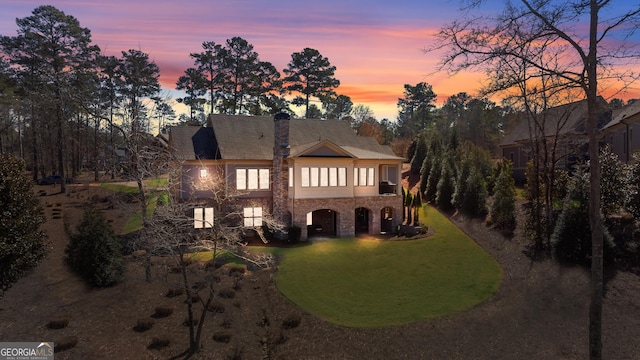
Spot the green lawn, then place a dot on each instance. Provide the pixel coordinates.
(134, 223)
(374, 283)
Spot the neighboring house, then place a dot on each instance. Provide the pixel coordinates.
(315, 174)
(563, 127)
(623, 132)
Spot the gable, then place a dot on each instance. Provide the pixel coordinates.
(319, 149)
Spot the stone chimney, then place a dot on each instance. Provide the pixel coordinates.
(280, 167)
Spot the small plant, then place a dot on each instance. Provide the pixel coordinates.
(175, 292)
(216, 307)
(294, 234)
(222, 336)
(226, 323)
(162, 312)
(65, 343)
(193, 322)
(227, 293)
(143, 325)
(237, 270)
(159, 342)
(58, 323)
(291, 321)
(195, 298)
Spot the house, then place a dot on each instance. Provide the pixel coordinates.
(318, 175)
(623, 132)
(564, 127)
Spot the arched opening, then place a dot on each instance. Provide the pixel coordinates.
(321, 223)
(362, 220)
(386, 222)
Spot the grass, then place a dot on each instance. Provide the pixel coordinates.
(134, 222)
(121, 188)
(375, 283)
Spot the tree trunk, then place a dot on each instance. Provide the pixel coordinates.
(597, 286)
(63, 185)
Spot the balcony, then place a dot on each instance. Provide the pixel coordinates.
(386, 188)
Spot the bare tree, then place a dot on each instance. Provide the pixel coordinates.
(576, 60)
(214, 224)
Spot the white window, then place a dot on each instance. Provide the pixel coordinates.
(253, 216)
(290, 177)
(305, 177)
(264, 179)
(252, 179)
(202, 218)
(342, 176)
(324, 177)
(333, 176)
(364, 176)
(313, 176)
(241, 179)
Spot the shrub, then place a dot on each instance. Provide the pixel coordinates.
(292, 321)
(162, 312)
(222, 336)
(445, 187)
(294, 234)
(175, 292)
(22, 243)
(474, 203)
(65, 343)
(193, 322)
(571, 238)
(159, 342)
(94, 251)
(143, 325)
(433, 179)
(216, 307)
(503, 209)
(58, 323)
(227, 293)
(194, 298)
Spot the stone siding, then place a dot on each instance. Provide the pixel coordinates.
(345, 209)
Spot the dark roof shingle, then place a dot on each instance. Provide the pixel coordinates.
(252, 137)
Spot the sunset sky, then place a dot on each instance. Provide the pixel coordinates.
(376, 45)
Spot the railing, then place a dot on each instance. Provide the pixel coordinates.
(386, 187)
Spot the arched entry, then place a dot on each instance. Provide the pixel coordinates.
(321, 223)
(386, 222)
(362, 220)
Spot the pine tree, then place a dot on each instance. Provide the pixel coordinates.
(94, 251)
(22, 243)
(445, 187)
(503, 209)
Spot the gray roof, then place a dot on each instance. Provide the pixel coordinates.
(236, 137)
(561, 120)
(192, 142)
(622, 114)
